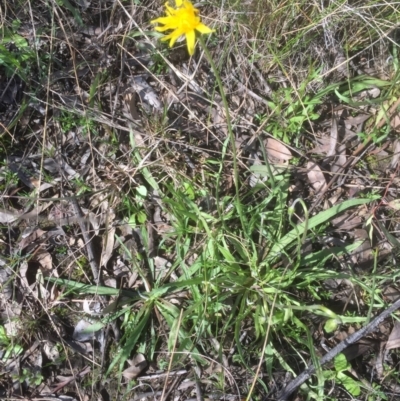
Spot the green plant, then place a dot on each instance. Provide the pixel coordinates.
(81, 186)
(291, 109)
(18, 60)
(8, 179)
(11, 349)
(62, 250)
(228, 281)
(158, 65)
(30, 376)
(240, 272)
(73, 10)
(340, 374)
(132, 206)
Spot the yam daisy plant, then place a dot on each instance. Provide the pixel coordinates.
(184, 20)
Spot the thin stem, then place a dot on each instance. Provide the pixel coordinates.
(229, 126)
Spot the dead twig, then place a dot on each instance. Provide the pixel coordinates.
(69, 380)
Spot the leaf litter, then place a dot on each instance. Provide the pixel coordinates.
(175, 113)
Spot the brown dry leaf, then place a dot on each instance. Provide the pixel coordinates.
(24, 282)
(341, 63)
(162, 266)
(7, 216)
(379, 361)
(394, 204)
(277, 151)
(85, 330)
(357, 120)
(146, 93)
(31, 238)
(130, 100)
(335, 197)
(50, 350)
(138, 364)
(340, 160)
(12, 320)
(278, 156)
(396, 154)
(333, 138)
(323, 146)
(46, 263)
(219, 120)
(110, 282)
(338, 163)
(362, 256)
(395, 122)
(65, 380)
(359, 348)
(316, 177)
(371, 93)
(394, 338)
(391, 294)
(36, 211)
(346, 221)
(108, 246)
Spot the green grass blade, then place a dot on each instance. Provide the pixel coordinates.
(141, 321)
(74, 11)
(320, 218)
(320, 256)
(82, 288)
(171, 315)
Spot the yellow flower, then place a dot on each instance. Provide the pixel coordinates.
(183, 19)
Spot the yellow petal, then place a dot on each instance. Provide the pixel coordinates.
(172, 37)
(169, 9)
(161, 28)
(191, 42)
(204, 28)
(161, 20)
(178, 3)
(189, 6)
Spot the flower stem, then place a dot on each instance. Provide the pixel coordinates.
(229, 126)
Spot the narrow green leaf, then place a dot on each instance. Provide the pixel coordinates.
(73, 11)
(320, 218)
(319, 256)
(132, 338)
(4, 340)
(82, 288)
(171, 315)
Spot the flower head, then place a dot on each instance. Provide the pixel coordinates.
(183, 19)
